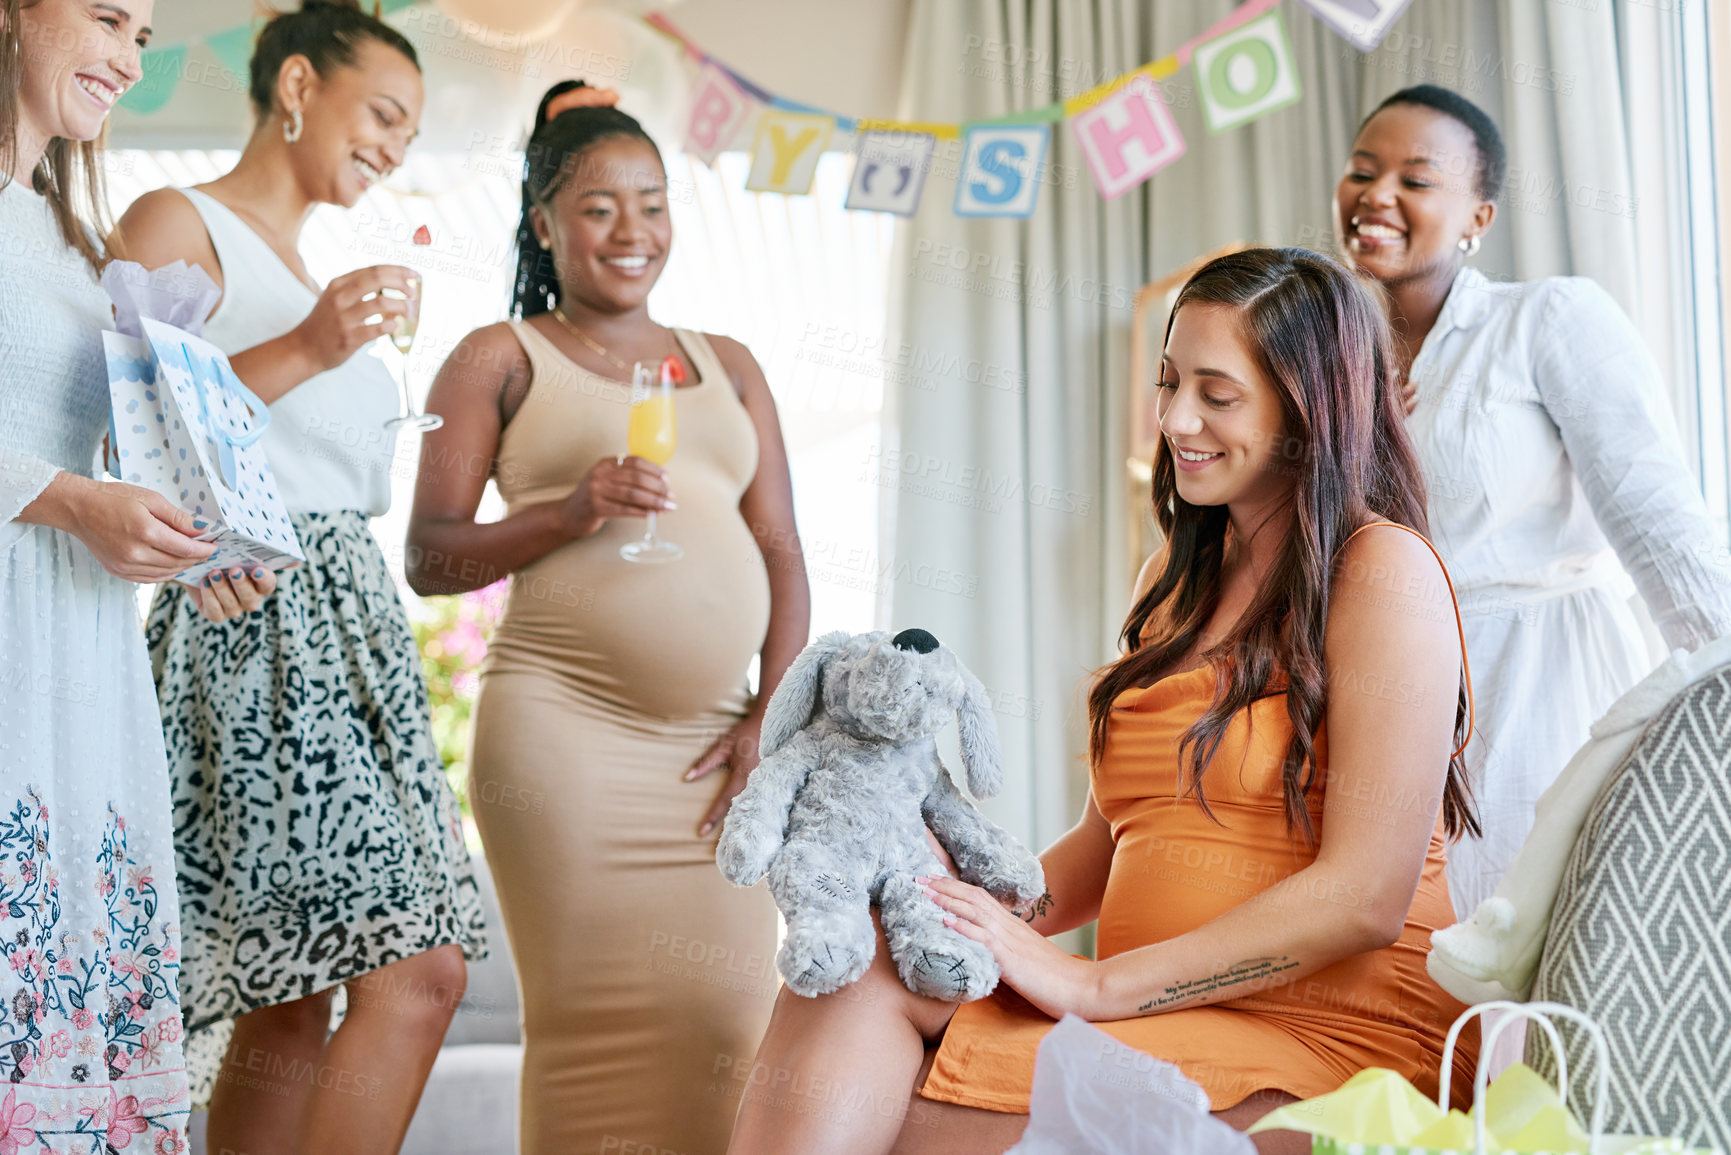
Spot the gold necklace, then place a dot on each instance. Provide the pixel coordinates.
(591, 342)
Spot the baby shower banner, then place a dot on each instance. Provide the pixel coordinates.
(1244, 69)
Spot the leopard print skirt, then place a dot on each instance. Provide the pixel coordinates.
(316, 838)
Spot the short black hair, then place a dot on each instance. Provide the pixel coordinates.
(326, 32)
(1487, 141)
(546, 157)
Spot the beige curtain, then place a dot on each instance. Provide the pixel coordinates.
(1003, 456)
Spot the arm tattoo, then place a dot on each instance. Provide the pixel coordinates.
(1250, 970)
(1040, 907)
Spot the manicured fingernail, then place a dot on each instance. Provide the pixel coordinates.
(258, 571)
(212, 577)
(949, 920)
(922, 879)
(236, 572)
(707, 827)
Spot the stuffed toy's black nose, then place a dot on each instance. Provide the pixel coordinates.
(918, 641)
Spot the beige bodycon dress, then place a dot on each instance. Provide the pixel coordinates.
(647, 979)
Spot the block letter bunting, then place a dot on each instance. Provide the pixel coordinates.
(1001, 170)
(889, 172)
(1128, 137)
(1244, 69)
(1246, 73)
(719, 108)
(1362, 23)
(786, 150)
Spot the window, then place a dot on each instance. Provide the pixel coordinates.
(800, 280)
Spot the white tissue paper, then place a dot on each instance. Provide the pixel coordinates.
(1094, 1095)
(181, 295)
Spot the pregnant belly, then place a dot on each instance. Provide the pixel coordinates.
(1169, 878)
(669, 641)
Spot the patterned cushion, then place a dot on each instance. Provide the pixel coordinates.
(1641, 935)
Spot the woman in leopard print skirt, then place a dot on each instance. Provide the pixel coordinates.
(318, 843)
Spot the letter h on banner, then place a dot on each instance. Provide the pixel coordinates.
(1128, 137)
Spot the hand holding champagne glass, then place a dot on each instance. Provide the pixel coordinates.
(652, 435)
(403, 337)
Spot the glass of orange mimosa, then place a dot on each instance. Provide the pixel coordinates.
(651, 435)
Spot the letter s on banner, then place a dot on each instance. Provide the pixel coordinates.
(999, 165)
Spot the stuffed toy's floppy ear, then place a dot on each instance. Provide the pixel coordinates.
(791, 705)
(981, 757)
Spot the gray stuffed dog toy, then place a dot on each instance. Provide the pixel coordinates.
(836, 814)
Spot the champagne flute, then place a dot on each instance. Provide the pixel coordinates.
(650, 434)
(403, 338)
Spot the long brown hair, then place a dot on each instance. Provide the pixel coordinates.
(69, 176)
(1322, 338)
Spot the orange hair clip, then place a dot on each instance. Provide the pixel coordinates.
(584, 97)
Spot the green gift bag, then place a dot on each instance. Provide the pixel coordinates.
(1377, 1112)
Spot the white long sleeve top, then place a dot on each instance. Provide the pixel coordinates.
(1550, 456)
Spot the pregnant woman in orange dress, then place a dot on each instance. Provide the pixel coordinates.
(1272, 786)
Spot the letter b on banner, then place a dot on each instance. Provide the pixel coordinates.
(718, 109)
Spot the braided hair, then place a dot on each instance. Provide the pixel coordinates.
(546, 170)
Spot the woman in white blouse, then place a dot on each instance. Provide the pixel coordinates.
(1553, 471)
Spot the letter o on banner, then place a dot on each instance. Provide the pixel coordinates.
(1245, 73)
(502, 20)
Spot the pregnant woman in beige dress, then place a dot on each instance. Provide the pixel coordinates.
(611, 687)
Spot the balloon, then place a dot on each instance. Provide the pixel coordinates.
(507, 23)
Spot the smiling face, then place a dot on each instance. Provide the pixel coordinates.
(1220, 414)
(607, 225)
(79, 56)
(1409, 195)
(358, 120)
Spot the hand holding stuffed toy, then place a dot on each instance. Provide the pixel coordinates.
(836, 814)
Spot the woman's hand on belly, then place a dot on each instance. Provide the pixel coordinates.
(737, 751)
(1036, 967)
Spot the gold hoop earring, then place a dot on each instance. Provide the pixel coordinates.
(291, 128)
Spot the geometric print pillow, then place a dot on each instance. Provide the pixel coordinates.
(1640, 938)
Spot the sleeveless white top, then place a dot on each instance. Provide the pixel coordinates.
(327, 443)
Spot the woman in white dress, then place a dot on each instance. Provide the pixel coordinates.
(318, 843)
(1553, 471)
(90, 1053)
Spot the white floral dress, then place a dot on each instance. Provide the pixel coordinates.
(90, 1030)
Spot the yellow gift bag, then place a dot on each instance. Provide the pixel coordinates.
(1377, 1112)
